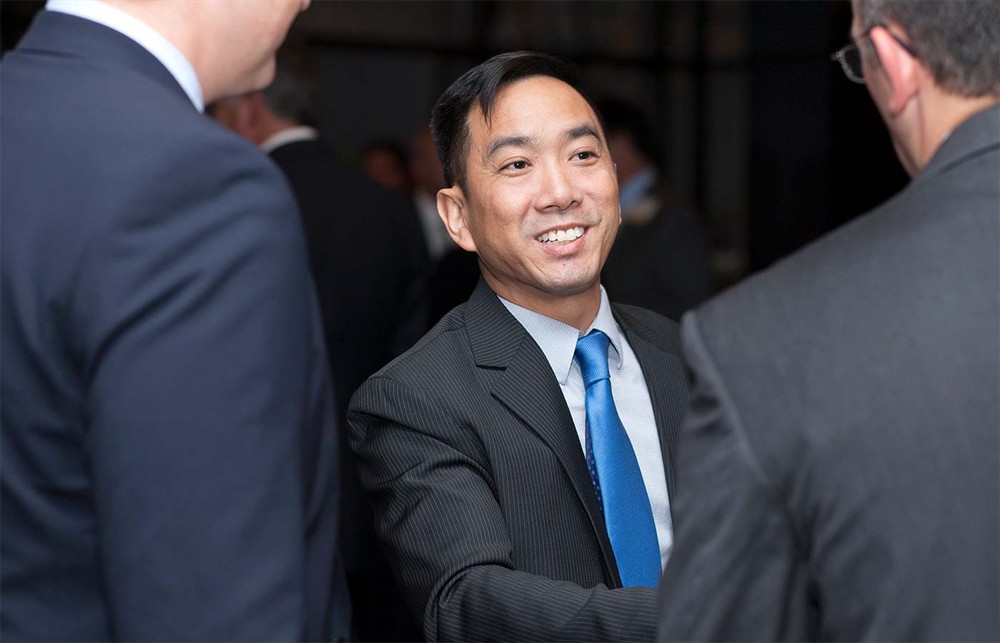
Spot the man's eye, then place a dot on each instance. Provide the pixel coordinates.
(583, 156)
(517, 165)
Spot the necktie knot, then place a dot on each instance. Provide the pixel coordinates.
(592, 356)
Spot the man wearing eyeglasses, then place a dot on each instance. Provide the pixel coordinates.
(837, 473)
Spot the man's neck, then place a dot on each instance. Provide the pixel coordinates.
(943, 114)
(577, 310)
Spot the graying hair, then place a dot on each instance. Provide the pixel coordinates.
(958, 41)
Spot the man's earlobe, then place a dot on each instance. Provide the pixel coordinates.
(453, 210)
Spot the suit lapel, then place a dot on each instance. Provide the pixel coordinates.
(659, 367)
(526, 385)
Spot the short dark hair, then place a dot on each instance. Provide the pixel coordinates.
(449, 118)
(958, 41)
(292, 95)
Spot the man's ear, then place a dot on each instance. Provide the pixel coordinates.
(901, 68)
(454, 212)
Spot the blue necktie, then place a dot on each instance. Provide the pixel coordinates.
(615, 471)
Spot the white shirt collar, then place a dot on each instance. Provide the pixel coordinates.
(290, 135)
(147, 37)
(558, 340)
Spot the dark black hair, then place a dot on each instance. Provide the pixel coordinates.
(449, 118)
(958, 41)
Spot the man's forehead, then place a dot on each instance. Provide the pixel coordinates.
(512, 107)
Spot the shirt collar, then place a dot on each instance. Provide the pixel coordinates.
(290, 135)
(558, 340)
(147, 37)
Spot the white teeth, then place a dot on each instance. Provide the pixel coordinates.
(561, 236)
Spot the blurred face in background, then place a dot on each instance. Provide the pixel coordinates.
(387, 168)
(425, 167)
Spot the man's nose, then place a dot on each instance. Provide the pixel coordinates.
(559, 188)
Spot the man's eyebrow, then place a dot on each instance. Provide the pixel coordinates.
(581, 131)
(507, 141)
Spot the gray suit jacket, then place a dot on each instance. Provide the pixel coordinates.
(481, 492)
(838, 470)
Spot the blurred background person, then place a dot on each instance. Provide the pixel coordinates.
(452, 273)
(364, 249)
(660, 258)
(169, 449)
(386, 163)
(428, 178)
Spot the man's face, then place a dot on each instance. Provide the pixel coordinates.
(541, 198)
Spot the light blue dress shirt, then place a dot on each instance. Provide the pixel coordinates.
(147, 38)
(628, 385)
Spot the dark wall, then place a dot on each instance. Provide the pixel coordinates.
(820, 154)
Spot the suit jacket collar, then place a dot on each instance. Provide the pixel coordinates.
(60, 34)
(977, 134)
(522, 380)
(519, 376)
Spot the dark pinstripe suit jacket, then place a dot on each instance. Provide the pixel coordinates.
(481, 492)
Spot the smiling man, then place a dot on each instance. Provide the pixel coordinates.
(518, 462)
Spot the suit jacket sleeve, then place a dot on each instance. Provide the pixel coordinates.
(207, 402)
(737, 571)
(438, 514)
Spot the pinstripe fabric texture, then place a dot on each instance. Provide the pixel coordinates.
(481, 491)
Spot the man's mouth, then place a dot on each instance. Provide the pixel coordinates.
(561, 236)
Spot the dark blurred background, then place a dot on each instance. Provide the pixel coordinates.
(756, 126)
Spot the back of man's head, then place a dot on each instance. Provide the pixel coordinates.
(958, 41)
(480, 86)
(231, 45)
(292, 95)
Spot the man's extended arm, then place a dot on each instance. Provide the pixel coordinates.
(437, 511)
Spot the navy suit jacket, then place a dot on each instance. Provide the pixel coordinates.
(168, 446)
